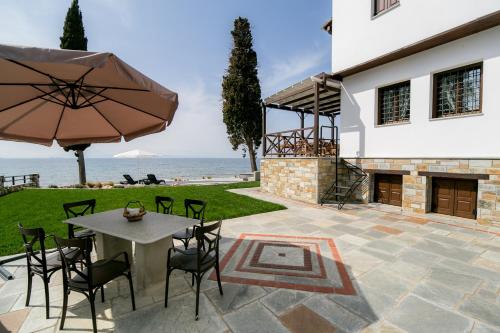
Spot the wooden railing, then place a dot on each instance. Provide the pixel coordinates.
(298, 142)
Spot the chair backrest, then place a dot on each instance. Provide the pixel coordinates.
(195, 209)
(79, 208)
(30, 238)
(75, 250)
(208, 235)
(129, 179)
(152, 178)
(166, 204)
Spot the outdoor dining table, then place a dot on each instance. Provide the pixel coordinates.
(152, 237)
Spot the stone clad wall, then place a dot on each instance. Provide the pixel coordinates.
(302, 179)
(305, 179)
(417, 190)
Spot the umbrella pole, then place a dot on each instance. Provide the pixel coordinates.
(81, 167)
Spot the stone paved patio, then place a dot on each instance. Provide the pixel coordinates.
(408, 273)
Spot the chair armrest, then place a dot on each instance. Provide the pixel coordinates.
(176, 249)
(106, 261)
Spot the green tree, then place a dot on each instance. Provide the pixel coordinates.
(241, 109)
(73, 38)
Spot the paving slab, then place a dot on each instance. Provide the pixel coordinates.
(481, 328)
(302, 320)
(445, 250)
(458, 279)
(12, 321)
(178, 317)
(439, 294)
(392, 285)
(281, 300)
(254, 318)
(235, 296)
(418, 316)
(385, 246)
(368, 303)
(336, 314)
(483, 310)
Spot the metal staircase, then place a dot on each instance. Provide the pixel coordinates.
(346, 182)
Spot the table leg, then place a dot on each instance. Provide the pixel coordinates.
(108, 246)
(151, 262)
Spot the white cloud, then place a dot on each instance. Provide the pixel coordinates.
(283, 70)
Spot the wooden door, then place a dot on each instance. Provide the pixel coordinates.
(389, 189)
(465, 198)
(443, 198)
(455, 197)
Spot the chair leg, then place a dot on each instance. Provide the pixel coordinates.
(186, 243)
(47, 302)
(217, 272)
(102, 294)
(167, 282)
(198, 282)
(92, 309)
(64, 308)
(131, 286)
(30, 282)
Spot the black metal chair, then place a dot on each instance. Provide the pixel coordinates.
(194, 209)
(153, 180)
(38, 262)
(80, 208)
(93, 276)
(199, 262)
(166, 204)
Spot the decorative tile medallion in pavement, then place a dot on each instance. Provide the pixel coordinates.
(292, 262)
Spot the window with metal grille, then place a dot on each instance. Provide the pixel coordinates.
(380, 6)
(394, 103)
(458, 91)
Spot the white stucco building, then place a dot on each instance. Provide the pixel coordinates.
(417, 87)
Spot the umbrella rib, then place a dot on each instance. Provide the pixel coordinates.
(50, 95)
(60, 119)
(21, 117)
(29, 67)
(24, 102)
(102, 115)
(116, 88)
(129, 106)
(65, 83)
(81, 81)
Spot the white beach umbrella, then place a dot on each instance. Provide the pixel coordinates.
(136, 153)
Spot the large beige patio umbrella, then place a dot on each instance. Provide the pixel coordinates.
(77, 98)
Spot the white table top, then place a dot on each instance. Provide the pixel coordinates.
(152, 228)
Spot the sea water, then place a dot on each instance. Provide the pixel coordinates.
(64, 171)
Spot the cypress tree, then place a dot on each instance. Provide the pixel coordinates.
(241, 94)
(73, 38)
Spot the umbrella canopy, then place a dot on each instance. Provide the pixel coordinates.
(136, 153)
(77, 97)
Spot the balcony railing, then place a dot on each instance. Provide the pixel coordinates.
(300, 142)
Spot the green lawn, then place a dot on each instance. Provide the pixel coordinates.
(43, 207)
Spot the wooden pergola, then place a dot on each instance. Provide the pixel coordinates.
(318, 95)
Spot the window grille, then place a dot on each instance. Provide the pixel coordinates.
(382, 5)
(394, 103)
(458, 91)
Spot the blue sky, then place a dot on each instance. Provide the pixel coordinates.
(184, 45)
